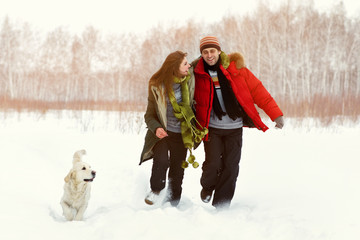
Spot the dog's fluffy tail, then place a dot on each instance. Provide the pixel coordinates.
(78, 156)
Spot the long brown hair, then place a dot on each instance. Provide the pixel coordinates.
(169, 69)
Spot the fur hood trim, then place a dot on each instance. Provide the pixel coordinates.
(238, 59)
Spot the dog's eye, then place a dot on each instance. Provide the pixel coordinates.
(84, 168)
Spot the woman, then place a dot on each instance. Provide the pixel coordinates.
(171, 126)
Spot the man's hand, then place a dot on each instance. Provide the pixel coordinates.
(279, 122)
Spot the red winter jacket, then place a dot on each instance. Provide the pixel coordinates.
(247, 88)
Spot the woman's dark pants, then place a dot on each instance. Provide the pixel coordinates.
(169, 152)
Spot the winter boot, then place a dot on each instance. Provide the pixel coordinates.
(206, 195)
(152, 197)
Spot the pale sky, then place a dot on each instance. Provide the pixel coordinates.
(133, 15)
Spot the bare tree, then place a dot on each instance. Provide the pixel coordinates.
(9, 48)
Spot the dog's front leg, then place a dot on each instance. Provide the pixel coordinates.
(80, 214)
(68, 211)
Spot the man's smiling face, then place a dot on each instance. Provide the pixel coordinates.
(210, 55)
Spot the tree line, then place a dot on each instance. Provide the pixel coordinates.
(308, 60)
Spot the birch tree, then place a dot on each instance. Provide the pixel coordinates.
(9, 47)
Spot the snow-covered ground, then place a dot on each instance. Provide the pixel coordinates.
(296, 183)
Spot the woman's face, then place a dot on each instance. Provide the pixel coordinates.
(184, 67)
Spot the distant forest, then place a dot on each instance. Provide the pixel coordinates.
(308, 60)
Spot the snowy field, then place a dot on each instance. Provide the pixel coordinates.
(296, 183)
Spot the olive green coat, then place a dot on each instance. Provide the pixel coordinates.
(155, 116)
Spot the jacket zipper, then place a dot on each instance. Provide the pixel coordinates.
(208, 113)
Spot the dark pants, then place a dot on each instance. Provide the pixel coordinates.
(169, 152)
(221, 165)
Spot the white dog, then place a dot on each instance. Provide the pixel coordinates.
(77, 188)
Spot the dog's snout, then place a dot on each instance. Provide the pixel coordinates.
(93, 173)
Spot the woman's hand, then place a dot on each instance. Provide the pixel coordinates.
(161, 133)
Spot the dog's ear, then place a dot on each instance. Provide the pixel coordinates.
(69, 176)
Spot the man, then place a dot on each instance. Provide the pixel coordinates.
(225, 96)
